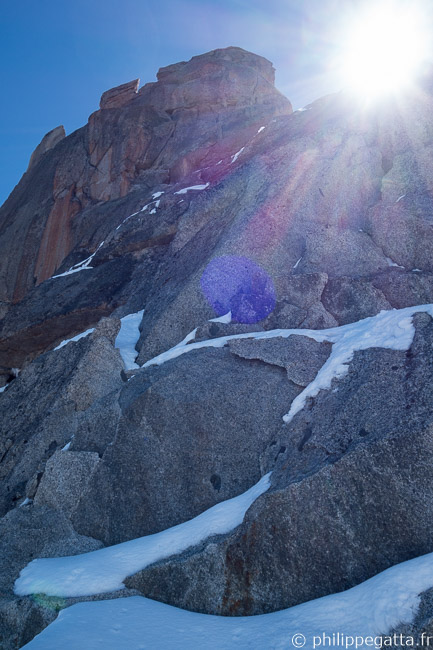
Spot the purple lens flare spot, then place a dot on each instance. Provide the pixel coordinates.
(239, 285)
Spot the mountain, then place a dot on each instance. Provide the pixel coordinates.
(215, 360)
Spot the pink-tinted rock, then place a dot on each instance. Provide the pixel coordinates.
(120, 95)
(48, 142)
(213, 103)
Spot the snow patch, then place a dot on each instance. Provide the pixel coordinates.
(391, 262)
(262, 128)
(189, 337)
(236, 155)
(153, 211)
(400, 198)
(80, 266)
(221, 341)
(3, 388)
(127, 338)
(133, 215)
(295, 266)
(105, 570)
(75, 338)
(192, 187)
(144, 208)
(368, 610)
(227, 318)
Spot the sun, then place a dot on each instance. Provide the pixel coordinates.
(383, 48)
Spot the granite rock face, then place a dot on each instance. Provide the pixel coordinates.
(183, 420)
(300, 356)
(48, 142)
(46, 405)
(284, 189)
(350, 496)
(326, 214)
(120, 95)
(156, 135)
(65, 478)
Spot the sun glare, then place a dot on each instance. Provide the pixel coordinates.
(383, 49)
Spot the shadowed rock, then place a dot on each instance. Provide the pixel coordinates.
(25, 534)
(46, 405)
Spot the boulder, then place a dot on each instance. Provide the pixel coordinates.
(403, 289)
(418, 633)
(65, 478)
(191, 435)
(21, 619)
(301, 356)
(405, 237)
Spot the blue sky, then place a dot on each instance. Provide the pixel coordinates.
(58, 57)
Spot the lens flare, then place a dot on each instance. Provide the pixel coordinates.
(383, 48)
(239, 285)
